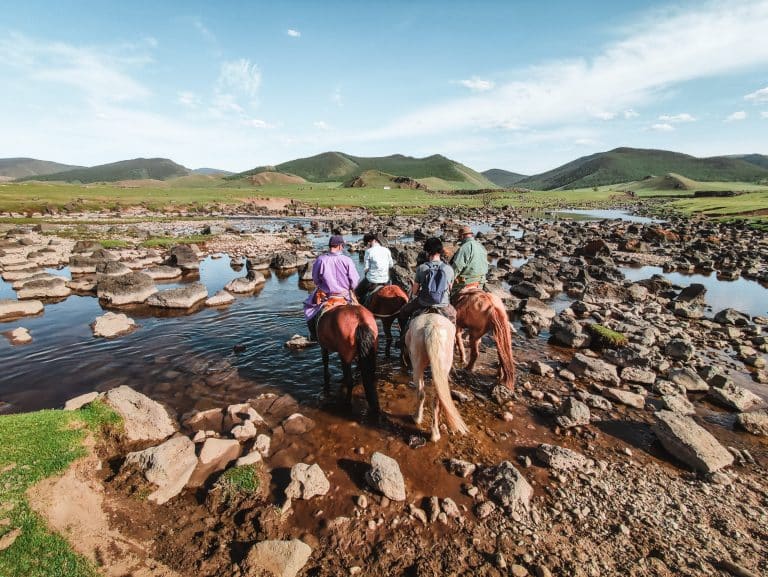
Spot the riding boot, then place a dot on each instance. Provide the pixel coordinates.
(312, 326)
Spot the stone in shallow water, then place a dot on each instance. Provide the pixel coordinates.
(131, 288)
(111, 325)
(245, 285)
(11, 309)
(162, 272)
(179, 298)
(18, 336)
(221, 298)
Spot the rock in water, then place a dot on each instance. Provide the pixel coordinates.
(690, 443)
(184, 257)
(112, 325)
(11, 309)
(507, 487)
(246, 284)
(179, 298)
(279, 558)
(221, 298)
(168, 466)
(18, 336)
(143, 418)
(163, 272)
(298, 342)
(51, 287)
(131, 288)
(307, 481)
(385, 476)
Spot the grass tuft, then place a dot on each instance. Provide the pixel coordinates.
(606, 337)
(239, 481)
(100, 418)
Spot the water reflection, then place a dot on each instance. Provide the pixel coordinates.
(600, 214)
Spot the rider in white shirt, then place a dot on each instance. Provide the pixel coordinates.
(378, 261)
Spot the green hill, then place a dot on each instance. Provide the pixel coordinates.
(336, 166)
(26, 167)
(136, 169)
(669, 181)
(756, 159)
(633, 164)
(503, 178)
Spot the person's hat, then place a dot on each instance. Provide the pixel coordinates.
(336, 240)
(465, 230)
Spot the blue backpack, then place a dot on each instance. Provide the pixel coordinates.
(435, 284)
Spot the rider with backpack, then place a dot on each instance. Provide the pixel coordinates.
(431, 287)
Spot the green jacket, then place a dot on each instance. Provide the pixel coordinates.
(470, 263)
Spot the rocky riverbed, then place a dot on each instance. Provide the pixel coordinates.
(634, 444)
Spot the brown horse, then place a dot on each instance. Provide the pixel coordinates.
(351, 331)
(479, 312)
(385, 304)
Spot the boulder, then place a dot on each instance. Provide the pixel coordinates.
(111, 268)
(184, 257)
(732, 317)
(215, 455)
(184, 297)
(573, 413)
(298, 342)
(18, 336)
(690, 443)
(735, 397)
(80, 401)
(679, 349)
(111, 325)
(507, 487)
(83, 264)
(244, 432)
(385, 476)
(528, 289)
(287, 260)
(45, 288)
(297, 424)
(245, 284)
(755, 423)
(678, 404)
(638, 375)
(307, 481)
(209, 420)
(143, 418)
(625, 397)
(131, 288)
(277, 558)
(568, 332)
(221, 298)
(12, 309)
(560, 458)
(595, 369)
(693, 293)
(162, 272)
(688, 379)
(168, 466)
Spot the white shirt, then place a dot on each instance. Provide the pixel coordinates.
(378, 261)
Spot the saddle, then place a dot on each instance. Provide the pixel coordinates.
(331, 303)
(436, 310)
(469, 289)
(372, 291)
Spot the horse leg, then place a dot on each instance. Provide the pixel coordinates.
(474, 351)
(326, 370)
(387, 322)
(460, 346)
(436, 422)
(346, 369)
(418, 377)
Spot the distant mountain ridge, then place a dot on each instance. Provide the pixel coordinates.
(340, 167)
(632, 164)
(22, 167)
(135, 169)
(503, 178)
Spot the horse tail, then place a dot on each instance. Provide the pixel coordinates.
(439, 346)
(367, 343)
(503, 337)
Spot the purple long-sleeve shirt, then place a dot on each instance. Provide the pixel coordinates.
(334, 274)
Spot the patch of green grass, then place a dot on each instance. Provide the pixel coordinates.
(606, 337)
(34, 446)
(167, 241)
(115, 243)
(101, 418)
(237, 481)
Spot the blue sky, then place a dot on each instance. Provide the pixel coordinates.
(523, 86)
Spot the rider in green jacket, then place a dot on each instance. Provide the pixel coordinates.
(470, 262)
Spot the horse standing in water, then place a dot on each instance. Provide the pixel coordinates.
(351, 331)
(385, 304)
(479, 312)
(429, 340)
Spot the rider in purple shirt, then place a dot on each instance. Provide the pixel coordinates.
(334, 274)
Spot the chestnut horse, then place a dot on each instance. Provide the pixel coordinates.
(429, 340)
(479, 312)
(385, 304)
(351, 331)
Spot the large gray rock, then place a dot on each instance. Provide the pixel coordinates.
(221, 298)
(45, 288)
(307, 481)
(755, 423)
(595, 369)
(732, 317)
(111, 325)
(278, 558)
(162, 272)
(385, 476)
(13, 309)
(111, 268)
(690, 443)
(184, 257)
(246, 284)
(143, 418)
(678, 404)
(625, 397)
(679, 349)
(184, 297)
(215, 455)
(689, 379)
(168, 466)
(573, 413)
(638, 375)
(735, 397)
(131, 288)
(560, 458)
(507, 487)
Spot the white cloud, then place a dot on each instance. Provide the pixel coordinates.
(585, 142)
(758, 95)
(477, 84)
(662, 127)
(188, 99)
(676, 118)
(321, 125)
(293, 33)
(241, 76)
(256, 123)
(764, 114)
(629, 113)
(224, 104)
(604, 115)
(739, 115)
(660, 51)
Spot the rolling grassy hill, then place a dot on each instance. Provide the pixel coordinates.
(136, 169)
(756, 159)
(634, 164)
(503, 178)
(26, 167)
(336, 166)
